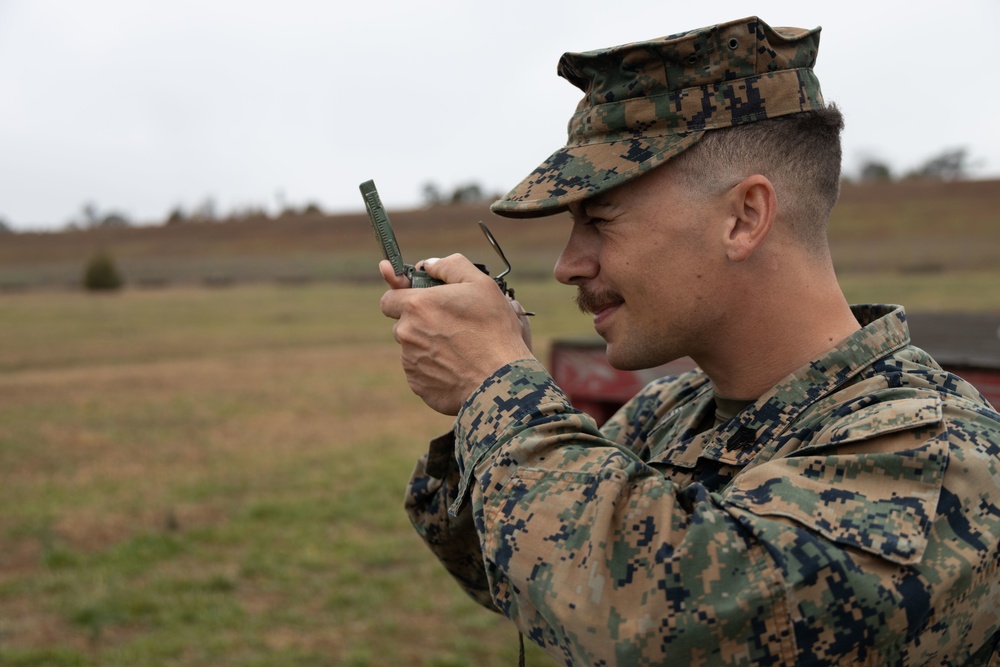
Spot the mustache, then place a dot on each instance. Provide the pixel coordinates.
(591, 302)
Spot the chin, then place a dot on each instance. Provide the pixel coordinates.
(625, 359)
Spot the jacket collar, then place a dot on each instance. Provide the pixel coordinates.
(745, 438)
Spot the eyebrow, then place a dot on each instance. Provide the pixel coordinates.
(587, 207)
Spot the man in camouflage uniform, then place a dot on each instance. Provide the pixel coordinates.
(818, 492)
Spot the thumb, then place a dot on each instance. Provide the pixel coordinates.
(390, 277)
(453, 269)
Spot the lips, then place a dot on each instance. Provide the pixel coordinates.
(602, 314)
(597, 302)
(602, 304)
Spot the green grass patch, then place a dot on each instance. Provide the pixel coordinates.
(974, 291)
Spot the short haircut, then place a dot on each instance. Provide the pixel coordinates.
(799, 153)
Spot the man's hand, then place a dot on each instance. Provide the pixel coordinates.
(453, 336)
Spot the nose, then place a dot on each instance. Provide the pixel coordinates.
(578, 262)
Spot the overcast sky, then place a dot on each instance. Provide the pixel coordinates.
(141, 106)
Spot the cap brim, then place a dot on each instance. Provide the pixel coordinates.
(575, 173)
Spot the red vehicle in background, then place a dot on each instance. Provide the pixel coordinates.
(967, 344)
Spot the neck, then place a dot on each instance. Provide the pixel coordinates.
(775, 327)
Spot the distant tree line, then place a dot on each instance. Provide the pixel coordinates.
(206, 212)
(91, 217)
(466, 193)
(950, 165)
(953, 164)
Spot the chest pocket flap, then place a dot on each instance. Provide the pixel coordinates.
(871, 481)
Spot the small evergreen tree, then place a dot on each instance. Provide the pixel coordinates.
(102, 273)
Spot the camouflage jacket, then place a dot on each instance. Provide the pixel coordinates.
(850, 516)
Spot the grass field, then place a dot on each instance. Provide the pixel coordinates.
(214, 477)
(198, 476)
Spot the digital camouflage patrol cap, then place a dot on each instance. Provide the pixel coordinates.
(646, 102)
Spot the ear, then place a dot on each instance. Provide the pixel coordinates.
(752, 206)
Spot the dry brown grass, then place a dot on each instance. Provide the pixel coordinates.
(909, 227)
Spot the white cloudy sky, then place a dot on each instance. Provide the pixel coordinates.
(142, 105)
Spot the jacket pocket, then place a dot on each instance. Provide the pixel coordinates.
(870, 481)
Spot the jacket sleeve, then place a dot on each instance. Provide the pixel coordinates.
(433, 488)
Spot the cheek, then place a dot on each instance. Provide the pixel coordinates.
(673, 287)
(633, 259)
